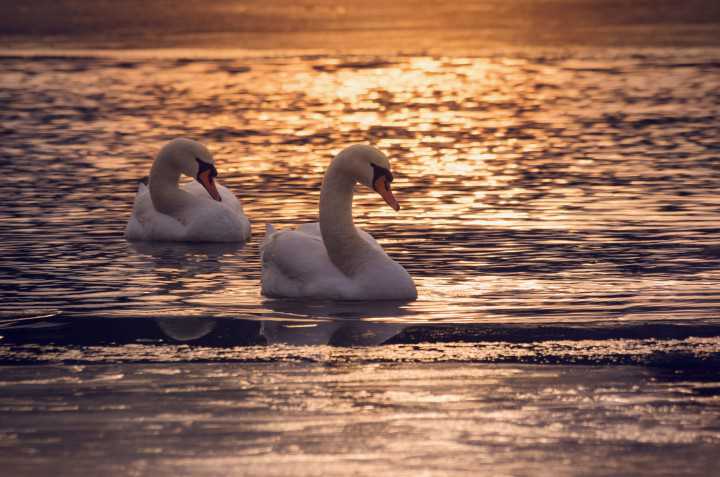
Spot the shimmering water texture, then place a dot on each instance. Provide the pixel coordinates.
(553, 187)
(557, 208)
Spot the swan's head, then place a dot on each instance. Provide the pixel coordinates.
(194, 160)
(371, 168)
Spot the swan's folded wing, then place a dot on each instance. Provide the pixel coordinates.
(228, 198)
(313, 229)
(296, 254)
(148, 224)
(369, 239)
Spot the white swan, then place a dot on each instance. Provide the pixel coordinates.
(200, 211)
(334, 259)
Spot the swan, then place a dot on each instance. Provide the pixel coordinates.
(199, 211)
(333, 259)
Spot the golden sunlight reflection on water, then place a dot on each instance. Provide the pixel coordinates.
(536, 188)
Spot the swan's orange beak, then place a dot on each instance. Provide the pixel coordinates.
(382, 187)
(205, 178)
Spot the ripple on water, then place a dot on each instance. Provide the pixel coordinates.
(546, 188)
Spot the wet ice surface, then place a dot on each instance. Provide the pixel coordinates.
(358, 419)
(190, 339)
(558, 207)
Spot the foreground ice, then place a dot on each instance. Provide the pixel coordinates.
(357, 419)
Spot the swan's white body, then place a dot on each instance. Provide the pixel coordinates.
(203, 221)
(332, 259)
(165, 211)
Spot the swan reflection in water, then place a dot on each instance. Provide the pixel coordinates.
(335, 324)
(338, 323)
(186, 328)
(178, 264)
(295, 333)
(172, 277)
(292, 322)
(173, 253)
(334, 333)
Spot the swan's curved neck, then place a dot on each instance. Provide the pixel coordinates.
(164, 191)
(345, 247)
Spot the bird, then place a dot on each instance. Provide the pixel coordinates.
(199, 211)
(333, 259)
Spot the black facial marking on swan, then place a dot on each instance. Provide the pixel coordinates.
(204, 166)
(379, 172)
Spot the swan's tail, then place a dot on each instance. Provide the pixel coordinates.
(269, 230)
(143, 184)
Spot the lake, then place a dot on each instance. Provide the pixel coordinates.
(559, 216)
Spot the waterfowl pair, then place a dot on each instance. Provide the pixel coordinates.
(330, 259)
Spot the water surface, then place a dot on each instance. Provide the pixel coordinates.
(536, 188)
(560, 208)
